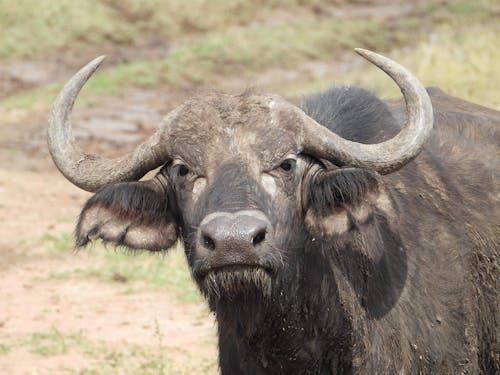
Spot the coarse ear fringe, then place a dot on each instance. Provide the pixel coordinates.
(340, 187)
(133, 215)
(131, 198)
(342, 200)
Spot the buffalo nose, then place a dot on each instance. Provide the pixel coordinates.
(240, 231)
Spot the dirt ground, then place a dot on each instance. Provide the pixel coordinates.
(42, 317)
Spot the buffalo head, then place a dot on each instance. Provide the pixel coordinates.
(245, 181)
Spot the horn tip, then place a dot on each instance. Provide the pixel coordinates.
(90, 68)
(363, 52)
(97, 61)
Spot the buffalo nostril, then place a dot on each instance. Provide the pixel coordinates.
(207, 242)
(259, 237)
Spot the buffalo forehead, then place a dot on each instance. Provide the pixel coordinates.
(222, 126)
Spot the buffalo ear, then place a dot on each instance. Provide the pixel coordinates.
(342, 200)
(132, 214)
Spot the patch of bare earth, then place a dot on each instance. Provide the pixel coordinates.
(36, 200)
(32, 204)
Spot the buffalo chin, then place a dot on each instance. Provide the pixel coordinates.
(231, 281)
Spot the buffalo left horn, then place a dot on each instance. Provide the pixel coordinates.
(91, 172)
(387, 156)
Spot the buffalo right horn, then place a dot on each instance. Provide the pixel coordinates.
(91, 172)
(387, 156)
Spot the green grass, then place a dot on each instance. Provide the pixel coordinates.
(5, 348)
(245, 53)
(32, 27)
(104, 357)
(156, 272)
(49, 243)
(242, 52)
(464, 64)
(137, 271)
(54, 342)
(35, 27)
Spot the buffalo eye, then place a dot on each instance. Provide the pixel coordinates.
(182, 170)
(287, 165)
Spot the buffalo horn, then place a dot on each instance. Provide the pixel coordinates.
(91, 172)
(387, 156)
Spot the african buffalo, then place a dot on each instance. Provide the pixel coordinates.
(327, 239)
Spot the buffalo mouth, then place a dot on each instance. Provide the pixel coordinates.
(233, 279)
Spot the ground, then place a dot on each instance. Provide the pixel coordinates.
(102, 311)
(79, 312)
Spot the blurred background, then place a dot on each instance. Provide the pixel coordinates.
(104, 311)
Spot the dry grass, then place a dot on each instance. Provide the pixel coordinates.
(452, 46)
(99, 357)
(462, 62)
(138, 270)
(34, 27)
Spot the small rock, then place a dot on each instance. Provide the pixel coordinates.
(119, 278)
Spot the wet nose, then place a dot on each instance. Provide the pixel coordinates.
(233, 232)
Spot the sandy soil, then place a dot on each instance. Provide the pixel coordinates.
(33, 204)
(35, 200)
